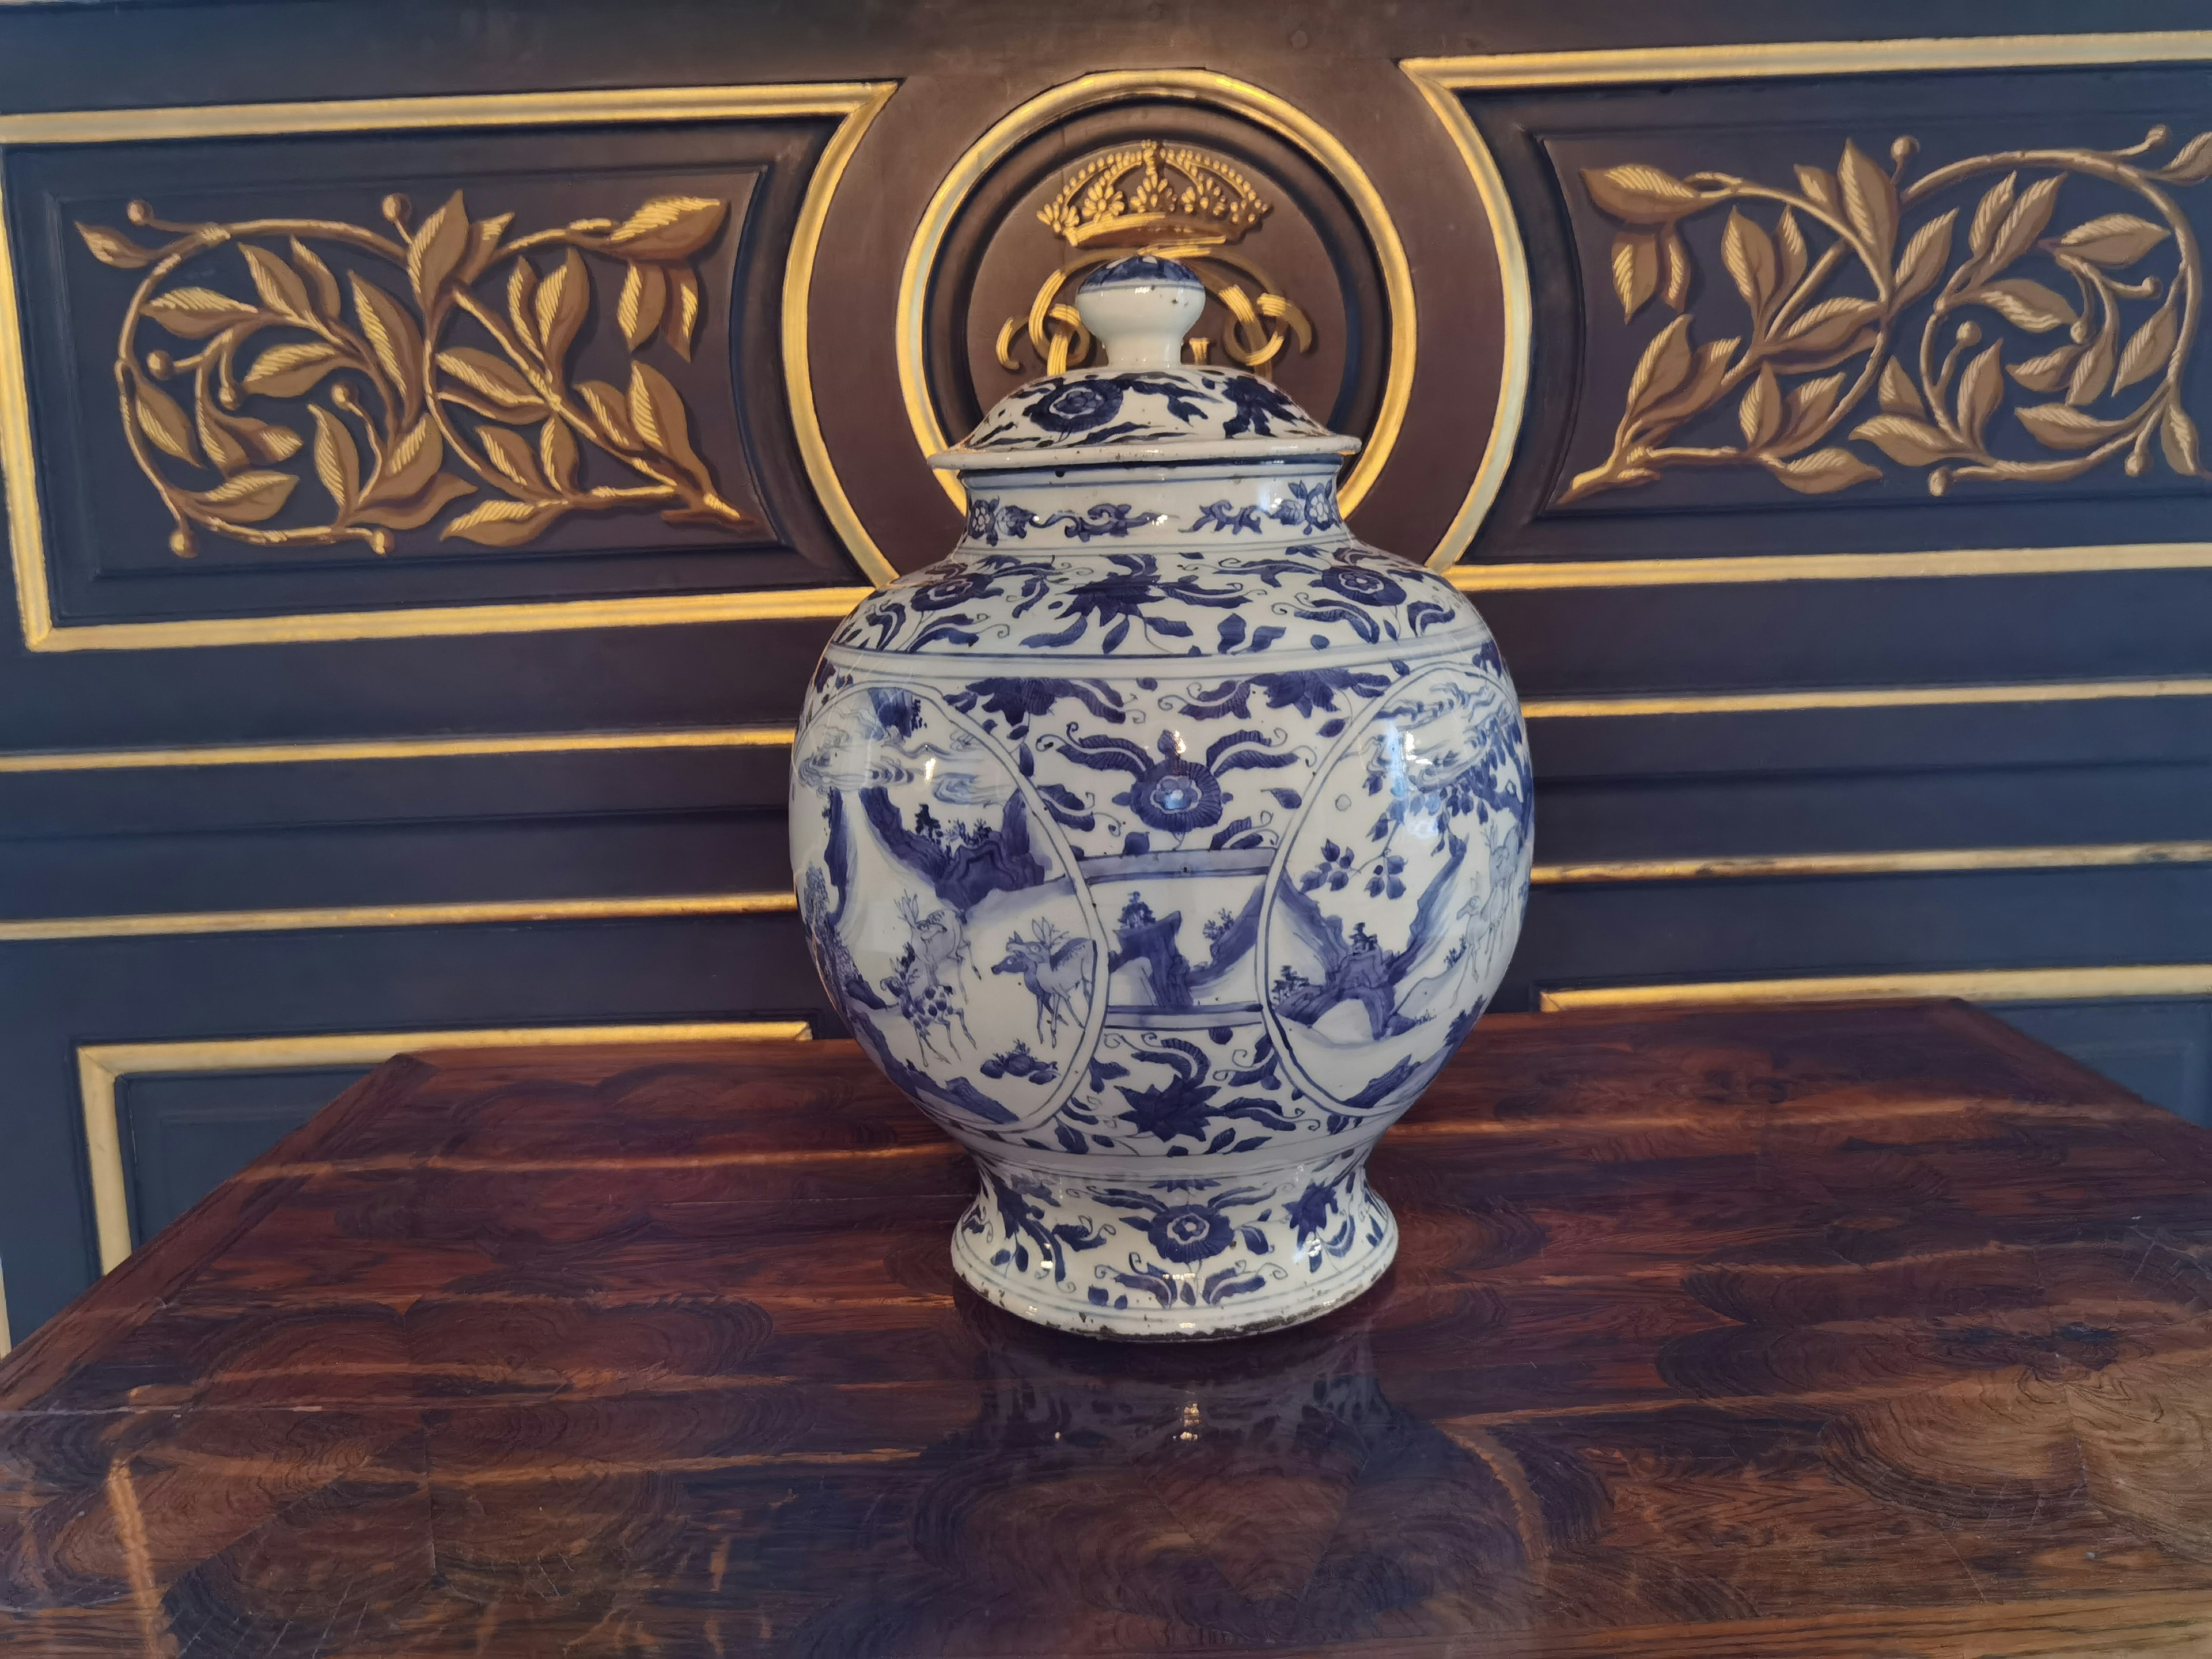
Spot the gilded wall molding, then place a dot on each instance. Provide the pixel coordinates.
(456, 622)
(2016, 693)
(33, 762)
(530, 485)
(196, 924)
(1831, 567)
(1928, 861)
(1432, 79)
(355, 750)
(337, 918)
(101, 1068)
(1268, 110)
(1619, 66)
(1441, 79)
(797, 342)
(2130, 981)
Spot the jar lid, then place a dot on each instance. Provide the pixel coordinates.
(1146, 403)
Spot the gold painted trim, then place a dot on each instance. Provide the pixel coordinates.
(1924, 861)
(101, 1067)
(19, 475)
(1634, 65)
(1879, 696)
(777, 737)
(1517, 319)
(623, 105)
(2188, 978)
(777, 604)
(798, 360)
(1438, 78)
(857, 102)
(1830, 567)
(174, 924)
(200, 923)
(381, 749)
(1269, 110)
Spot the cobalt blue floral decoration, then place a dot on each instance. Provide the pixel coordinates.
(1163, 842)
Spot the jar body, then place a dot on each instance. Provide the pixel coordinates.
(1162, 845)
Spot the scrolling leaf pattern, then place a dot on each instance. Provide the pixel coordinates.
(412, 422)
(1810, 358)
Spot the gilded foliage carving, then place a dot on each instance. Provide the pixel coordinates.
(412, 421)
(1815, 354)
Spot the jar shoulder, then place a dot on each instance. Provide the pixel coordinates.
(1327, 596)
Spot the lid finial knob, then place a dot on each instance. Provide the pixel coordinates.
(1140, 308)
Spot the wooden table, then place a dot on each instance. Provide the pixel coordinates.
(1795, 1334)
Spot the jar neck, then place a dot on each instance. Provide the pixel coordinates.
(1102, 510)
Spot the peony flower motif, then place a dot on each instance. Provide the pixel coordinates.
(1175, 796)
(1184, 1233)
(1175, 793)
(1076, 405)
(1361, 586)
(1189, 1232)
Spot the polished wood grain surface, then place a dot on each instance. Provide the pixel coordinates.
(1798, 1333)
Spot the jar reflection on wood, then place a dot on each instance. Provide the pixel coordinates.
(1162, 821)
(1265, 1493)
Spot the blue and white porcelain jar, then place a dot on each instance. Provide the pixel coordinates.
(1163, 842)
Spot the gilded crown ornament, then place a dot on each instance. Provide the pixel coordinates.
(1183, 196)
(1176, 202)
(1161, 843)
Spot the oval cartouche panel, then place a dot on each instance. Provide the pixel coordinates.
(1393, 906)
(940, 901)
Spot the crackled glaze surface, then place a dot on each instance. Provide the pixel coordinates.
(1162, 821)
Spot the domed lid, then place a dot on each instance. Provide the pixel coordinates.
(1146, 403)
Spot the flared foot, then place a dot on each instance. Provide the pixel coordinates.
(1181, 1257)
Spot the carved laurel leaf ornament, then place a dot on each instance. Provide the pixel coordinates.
(408, 424)
(1809, 359)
